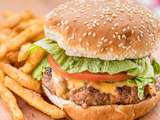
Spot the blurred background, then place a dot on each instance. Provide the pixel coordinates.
(41, 7)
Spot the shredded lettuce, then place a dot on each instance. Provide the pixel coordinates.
(38, 72)
(73, 64)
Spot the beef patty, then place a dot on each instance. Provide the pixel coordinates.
(89, 96)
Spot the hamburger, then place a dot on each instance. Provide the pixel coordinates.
(100, 62)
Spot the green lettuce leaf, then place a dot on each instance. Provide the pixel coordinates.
(141, 82)
(156, 66)
(73, 64)
(33, 48)
(38, 72)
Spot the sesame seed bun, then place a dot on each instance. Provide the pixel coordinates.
(103, 29)
(106, 112)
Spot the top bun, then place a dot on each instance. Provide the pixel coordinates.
(104, 29)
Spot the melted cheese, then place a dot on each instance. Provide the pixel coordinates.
(76, 84)
(101, 86)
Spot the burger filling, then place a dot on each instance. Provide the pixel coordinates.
(94, 82)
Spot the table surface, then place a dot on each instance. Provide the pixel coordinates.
(41, 7)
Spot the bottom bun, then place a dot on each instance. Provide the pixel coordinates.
(106, 112)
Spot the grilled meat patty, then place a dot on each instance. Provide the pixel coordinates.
(90, 96)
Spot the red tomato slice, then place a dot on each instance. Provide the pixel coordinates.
(87, 75)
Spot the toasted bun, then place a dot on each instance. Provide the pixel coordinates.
(107, 112)
(105, 29)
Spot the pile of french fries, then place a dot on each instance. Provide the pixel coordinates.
(17, 33)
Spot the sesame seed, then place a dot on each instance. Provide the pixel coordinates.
(124, 37)
(102, 49)
(114, 36)
(94, 34)
(119, 37)
(58, 24)
(98, 45)
(114, 15)
(135, 27)
(143, 26)
(116, 25)
(85, 22)
(84, 34)
(124, 30)
(138, 38)
(99, 42)
(87, 43)
(121, 10)
(120, 45)
(67, 28)
(102, 38)
(116, 33)
(89, 33)
(105, 40)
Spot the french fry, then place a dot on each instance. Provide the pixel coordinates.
(39, 37)
(26, 15)
(12, 34)
(1, 76)
(3, 51)
(12, 56)
(33, 60)
(11, 102)
(13, 20)
(23, 53)
(22, 78)
(7, 14)
(3, 38)
(23, 25)
(25, 36)
(34, 99)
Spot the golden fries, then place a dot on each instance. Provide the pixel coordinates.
(23, 53)
(12, 19)
(23, 37)
(12, 56)
(7, 14)
(22, 26)
(1, 76)
(17, 34)
(34, 99)
(11, 102)
(34, 59)
(22, 78)
(3, 51)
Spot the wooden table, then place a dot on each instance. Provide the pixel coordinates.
(41, 7)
